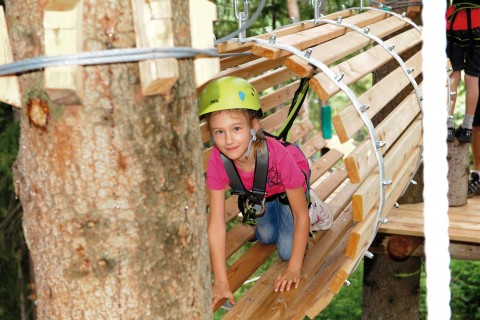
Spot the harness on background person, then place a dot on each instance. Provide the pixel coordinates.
(252, 202)
(460, 5)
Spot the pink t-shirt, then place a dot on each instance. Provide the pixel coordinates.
(285, 166)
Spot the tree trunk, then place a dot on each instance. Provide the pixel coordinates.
(112, 189)
(391, 290)
(293, 12)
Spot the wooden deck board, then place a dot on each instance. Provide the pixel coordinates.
(464, 221)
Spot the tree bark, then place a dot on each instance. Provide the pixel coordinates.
(458, 173)
(112, 189)
(391, 290)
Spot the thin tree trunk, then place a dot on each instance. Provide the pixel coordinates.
(293, 12)
(112, 189)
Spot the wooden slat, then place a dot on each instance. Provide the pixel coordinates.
(261, 299)
(230, 62)
(201, 31)
(362, 64)
(62, 35)
(10, 92)
(234, 46)
(153, 23)
(325, 163)
(241, 270)
(342, 46)
(247, 70)
(362, 160)
(366, 196)
(279, 96)
(237, 237)
(363, 231)
(312, 37)
(272, 78)
(348, 122)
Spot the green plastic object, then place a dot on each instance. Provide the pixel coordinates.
(327, 122)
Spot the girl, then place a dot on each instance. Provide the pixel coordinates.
(231, 107)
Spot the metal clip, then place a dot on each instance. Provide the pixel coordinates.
(365, 107)
(316, 7)
(387, 182)
(381, 144)
(242, 18)
(347, 283)
(339, 19)
(339, 76)
(368, 254)
(391, 47)
(273, 38)
(366, 30)
(383, 220)
(308, 53)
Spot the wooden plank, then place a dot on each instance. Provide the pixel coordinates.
(362, 160)
(314, 36)
(279, 96)
(348, 121)
(261, 299)
(234, 46)
(10, 92)
(153, 29)
(245, 266)
(342, 46)
(201, 32)
(313, 145)
(237, 237)
(362, 64)
(347, 268)
(325, 163)
(328, 185)
(365, 197)
(230, 62)
(247, 70)
(272, 78)
(363, 231)
(63, 35)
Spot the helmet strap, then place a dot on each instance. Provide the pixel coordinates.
(253, 137)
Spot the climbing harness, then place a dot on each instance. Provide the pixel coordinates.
(252, 203)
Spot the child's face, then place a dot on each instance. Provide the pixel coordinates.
(231, 132)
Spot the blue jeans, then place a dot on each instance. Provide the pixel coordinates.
(276, 227)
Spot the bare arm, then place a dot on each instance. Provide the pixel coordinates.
(292, 275)
(216, 239)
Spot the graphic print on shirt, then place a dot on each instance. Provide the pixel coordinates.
(273, 177)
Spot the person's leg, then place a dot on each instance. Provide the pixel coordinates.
(267, 226)
(474, 182)
(285, 231)
(455, 78)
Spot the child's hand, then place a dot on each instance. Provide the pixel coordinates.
(286, 279)
(220, 291)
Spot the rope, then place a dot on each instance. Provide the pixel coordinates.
(108, 56)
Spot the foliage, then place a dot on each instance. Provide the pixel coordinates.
(13, 252)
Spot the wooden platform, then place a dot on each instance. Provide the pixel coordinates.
(464, 228)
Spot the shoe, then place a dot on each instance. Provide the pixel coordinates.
(464, 135)
(450, 134)
(321, 216)
(473, 185)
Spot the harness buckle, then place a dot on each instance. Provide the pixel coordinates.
(253, 210)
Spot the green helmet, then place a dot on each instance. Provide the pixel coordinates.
(228, 93)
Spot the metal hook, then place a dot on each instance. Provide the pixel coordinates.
(316, 7)
(242, 18)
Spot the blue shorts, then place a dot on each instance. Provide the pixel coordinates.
(464, 57)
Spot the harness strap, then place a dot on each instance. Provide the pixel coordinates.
(257, 193)
(295, 107)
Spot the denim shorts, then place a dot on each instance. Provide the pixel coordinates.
(276, 227)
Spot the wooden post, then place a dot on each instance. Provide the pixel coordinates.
(202, 38)
(62, 21)
(10, 89)
(458, 172)
(153, 29)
